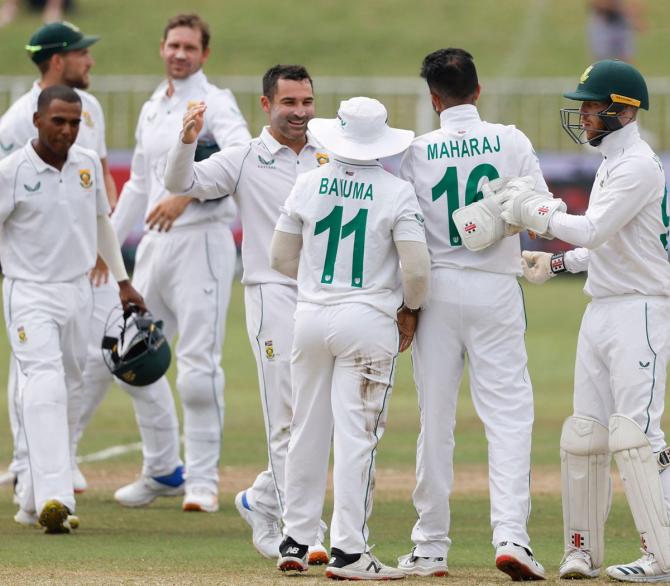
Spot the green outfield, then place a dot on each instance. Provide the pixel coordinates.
(348, 37)
(163, 545)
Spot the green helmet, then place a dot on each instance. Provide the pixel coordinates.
(612, 81)
(615, 83)
(134, 347)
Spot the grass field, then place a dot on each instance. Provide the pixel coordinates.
(163, 545)
(350, 37)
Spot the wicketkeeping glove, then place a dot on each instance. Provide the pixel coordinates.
(529, 209)
(539, 267)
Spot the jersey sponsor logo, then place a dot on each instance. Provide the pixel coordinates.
(419, 218)
(23, 337)
(88, 119)
(266, 163)
(643, 364)
(6, 147)
(467, 147)
(345, 188)
(322, 158)
(269, 350)
(34, 188)
(85, 179)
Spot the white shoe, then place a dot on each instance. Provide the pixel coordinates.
(414, 565)
(26, 518)
(78, 480)
(577, 565)
(266, 533)
(201, 499)
(645, 569)
(317, 555)
(56, 518)
(365, 566)
(518, 562)
(147, 489)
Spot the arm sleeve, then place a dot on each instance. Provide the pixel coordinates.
(109, 249)
(101, 200)
(577, 260)
(529, 163)
(99, 119)
(7, 201)
(134, 199)
(406, 171)
(415, 271)
(290, 219)
(629, 187)
(285, 253)
(225, 121)
(213, 178)
(408, 223)
(11, 136)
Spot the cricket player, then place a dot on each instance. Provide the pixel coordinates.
(342, 231)
(624, 342)
(259, 176)
(185, 273)
(475, 307)
(61, 52)
(53, 217)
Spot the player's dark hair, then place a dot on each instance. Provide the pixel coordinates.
(57, 92)
(191, 21)
(450, 73)
(274, 74)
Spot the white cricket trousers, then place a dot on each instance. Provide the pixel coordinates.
(622, 357)
(185, 276)
(47, 326)
(342, 368)
(270, 310)
(481, 315)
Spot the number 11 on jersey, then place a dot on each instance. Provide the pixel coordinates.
(336, 232)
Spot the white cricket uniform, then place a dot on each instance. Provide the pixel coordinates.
(345, 341)
(48, 241)
(159, 433)
(185, 274)
(624, 343)
(259, 176)
(474, 307)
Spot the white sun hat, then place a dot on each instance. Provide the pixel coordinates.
(360, 131)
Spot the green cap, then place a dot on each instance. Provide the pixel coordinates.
(57, 37)
(612, 81)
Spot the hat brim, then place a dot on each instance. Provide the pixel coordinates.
(82, 43)
(328, 131)
(582, 96)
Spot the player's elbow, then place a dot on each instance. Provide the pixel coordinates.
(415, 269)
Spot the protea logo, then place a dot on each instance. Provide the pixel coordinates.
(585, 75)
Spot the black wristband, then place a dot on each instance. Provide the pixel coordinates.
(558, 263)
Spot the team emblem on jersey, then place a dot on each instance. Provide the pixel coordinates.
(34, 188)
(6, 147)
(322, 158)
(22, 334)
(88, 119)
(269, 350)
(266, 163)
(85, 179)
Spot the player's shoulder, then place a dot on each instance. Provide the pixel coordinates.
(20, 110)
(83, 154)
(88, 100)
(234, 155)
(11, 164)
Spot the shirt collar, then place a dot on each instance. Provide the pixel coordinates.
(274, 146)
(616, 142)
(181, 86)
(459, 117)
(40, 165)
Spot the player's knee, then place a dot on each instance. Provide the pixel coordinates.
(200, 389)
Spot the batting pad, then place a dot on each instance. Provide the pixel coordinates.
(639, 471)
(585, 485)
(479, 224)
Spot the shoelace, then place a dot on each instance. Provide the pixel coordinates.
(577, 553)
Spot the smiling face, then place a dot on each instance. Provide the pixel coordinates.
(289, 110)
(57, 127)
(182, 52)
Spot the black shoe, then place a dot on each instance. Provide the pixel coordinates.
(292, 556)
(339, 559)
